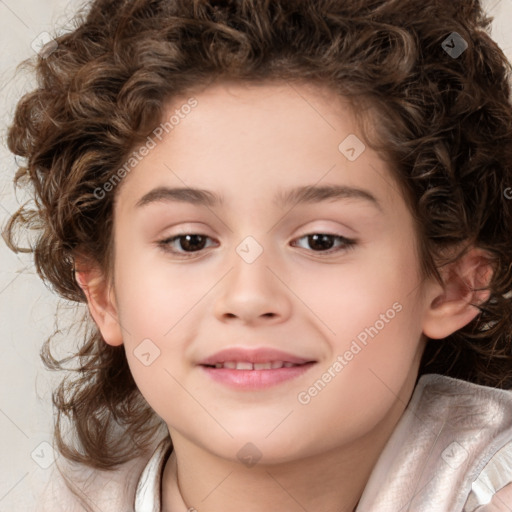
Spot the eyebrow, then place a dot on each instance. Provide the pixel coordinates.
(298, 195)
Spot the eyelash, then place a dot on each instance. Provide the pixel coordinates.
(348, 244)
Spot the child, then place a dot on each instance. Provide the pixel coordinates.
(340, 338)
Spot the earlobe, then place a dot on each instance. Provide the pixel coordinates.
(100, 301)
(453, 305)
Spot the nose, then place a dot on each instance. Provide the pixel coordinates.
(254, 292)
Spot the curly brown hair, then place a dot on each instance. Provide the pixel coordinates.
(444, 124)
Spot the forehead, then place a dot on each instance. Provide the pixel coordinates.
(275, 103)
(259, 137)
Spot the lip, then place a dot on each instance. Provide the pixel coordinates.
(260, 355)
(254, 379)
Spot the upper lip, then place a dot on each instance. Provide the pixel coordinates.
(260, 355)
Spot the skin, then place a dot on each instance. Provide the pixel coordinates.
(245, 142)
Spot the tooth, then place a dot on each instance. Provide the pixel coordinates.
(242, 365)
(245, 365)
(262, 366)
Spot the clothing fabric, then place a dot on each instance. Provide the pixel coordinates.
(451, 451)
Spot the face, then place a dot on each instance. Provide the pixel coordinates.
(331, 280)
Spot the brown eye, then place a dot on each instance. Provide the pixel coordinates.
(186, 243)
(323, 242)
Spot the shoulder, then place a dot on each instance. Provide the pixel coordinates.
(478, 420)
(452, 443)
(439, 388)
(491, 491)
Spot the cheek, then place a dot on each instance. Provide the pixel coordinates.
(383, 320)
(154, 296)
(352, 296)
(363, 382)
(373, 314)
(153, 309)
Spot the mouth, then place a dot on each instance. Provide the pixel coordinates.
(241, 368)
(243, 358)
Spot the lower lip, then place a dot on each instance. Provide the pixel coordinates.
(255, 379)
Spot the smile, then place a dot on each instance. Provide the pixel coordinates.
(245, 365)
(246, 376)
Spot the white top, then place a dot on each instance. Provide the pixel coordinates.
(451, 451)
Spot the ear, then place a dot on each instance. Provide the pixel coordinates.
(450, 306)
(100, 300)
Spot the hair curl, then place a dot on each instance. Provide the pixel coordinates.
(445, 124)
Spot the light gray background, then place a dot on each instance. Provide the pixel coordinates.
(26, 307)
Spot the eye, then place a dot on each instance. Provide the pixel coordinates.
(189, 242)
(323, 242)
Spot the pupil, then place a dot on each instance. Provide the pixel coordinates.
(186, 242)
(320, 241)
